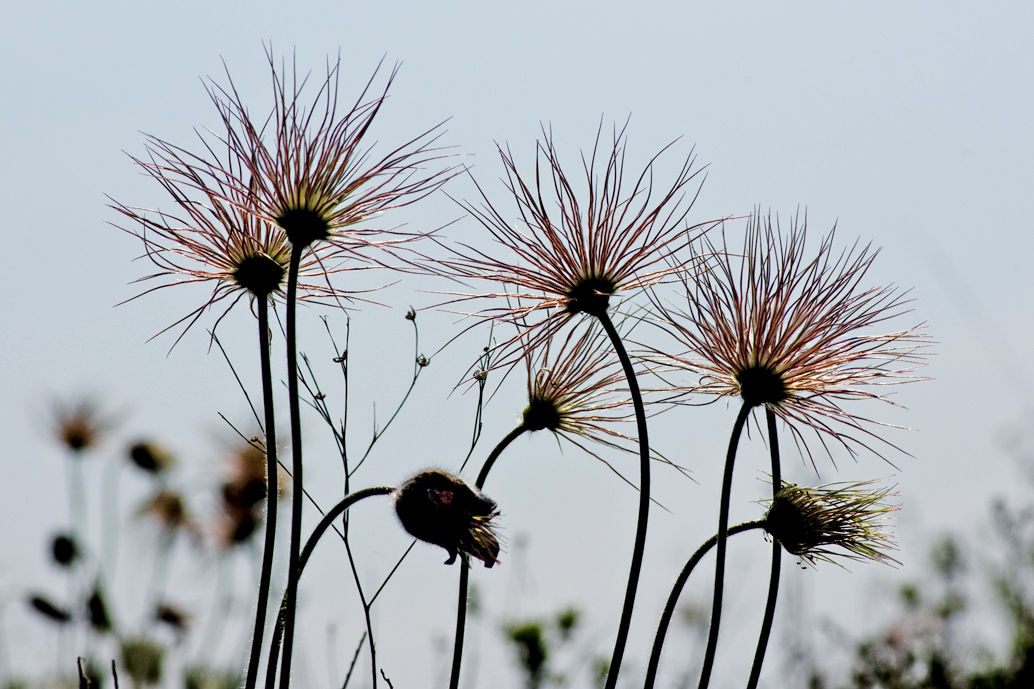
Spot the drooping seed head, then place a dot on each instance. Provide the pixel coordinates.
(807, 522)
(442, 509)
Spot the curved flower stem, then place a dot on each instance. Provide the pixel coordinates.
(310, 545)
(777, 559)
(676, 591)
(272, 494)
(461, 603)
(644, 499)
(332, 514)
(723, 528)
(291, 594)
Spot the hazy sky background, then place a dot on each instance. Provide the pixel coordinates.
(909, 126)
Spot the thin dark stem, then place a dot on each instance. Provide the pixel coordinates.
(355, 657)
(366, 609)
(644, 499)
(723, 528)
(461, 603)
(332, 514)
(676, 591)
(272, 494)
(291, 595)
(325, 523)
(461, 624)
(498, 450)
(777, 559)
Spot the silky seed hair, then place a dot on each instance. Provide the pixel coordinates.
(570, 252)
(835, 520)
(769, 325)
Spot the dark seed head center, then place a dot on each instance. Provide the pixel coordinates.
(259, 274)
(591, 295)
(759, 384)
(303, 226)
(786, 523)
(541, 414)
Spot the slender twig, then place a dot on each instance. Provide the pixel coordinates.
(461, 603)
(777, 559)
(355, 657)
(723, 528)
(291, 595)
(644, 499)
(676, 591)
(272, 494)
(392, 572)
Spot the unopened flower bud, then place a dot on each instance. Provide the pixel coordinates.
(442, 509)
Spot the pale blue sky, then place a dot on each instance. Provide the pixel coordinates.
(910, 126)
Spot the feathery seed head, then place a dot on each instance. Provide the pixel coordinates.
(570, 252)
(807, 522)
(773, 327)
(442, 509)
(311, 169)
(79, 425)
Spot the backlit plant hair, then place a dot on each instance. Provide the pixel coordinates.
(778, 330)
(847, 520)
(771, 326)
(562, 257)
(312, 172)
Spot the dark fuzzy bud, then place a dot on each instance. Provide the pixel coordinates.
(150, 457)
(172, 616)
(49, 610)
(442, 509)
(97, 611)
(64, 550)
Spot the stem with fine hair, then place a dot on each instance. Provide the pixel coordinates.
(461, 603)
(723, 528)
(272, 492)
(291, 594)
(676, 591)
(777, 559)
(325, 523)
